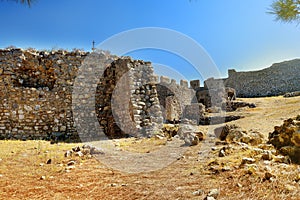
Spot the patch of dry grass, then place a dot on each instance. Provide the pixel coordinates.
(30, 158)
(143, 145)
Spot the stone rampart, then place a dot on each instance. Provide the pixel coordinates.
(278, 79)
(36, 90)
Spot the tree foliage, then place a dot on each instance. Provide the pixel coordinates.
(286, 10)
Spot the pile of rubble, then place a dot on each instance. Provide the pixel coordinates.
(233, 133)
(292, 94)
(186, 131)
(85, 150)
(286, 139)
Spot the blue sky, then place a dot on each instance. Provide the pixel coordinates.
(235, 33)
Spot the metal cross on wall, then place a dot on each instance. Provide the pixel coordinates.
(93, 48)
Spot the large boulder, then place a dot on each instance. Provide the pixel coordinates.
(190, 134)
(286, 138)
(233, 133)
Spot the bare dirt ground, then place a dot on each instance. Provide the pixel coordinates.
(24, 173)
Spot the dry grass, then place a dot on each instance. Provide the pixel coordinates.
(140, 145)
(23, 163)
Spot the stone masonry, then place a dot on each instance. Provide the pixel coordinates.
(278, 79)
(36, 95)
(37, 98)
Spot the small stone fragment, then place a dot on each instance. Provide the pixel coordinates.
(79, 154)
(95, 150)
(269, 176)
(222, 153)
(213, 193)
(49, 161)
(198, 192)
(248, 161)
(71, 162)
(76, 149)
(68, 154)
(267, 155)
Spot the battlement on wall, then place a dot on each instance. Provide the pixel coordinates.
(164, 80)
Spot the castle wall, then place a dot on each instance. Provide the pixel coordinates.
(278, 79)
(173, 97)
(36, 95)
(127, 99)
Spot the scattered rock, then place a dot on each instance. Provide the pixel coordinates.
(209, 198)
(233, 133)
(297, 179)
(214, 148)
(76, 149)
(239, 185)
(234, 105)
(71, 162)
(170, 130)
(213, 193)
(222, 152)
(251, 169)
(292, 94)
(269, 176)
(190, 134)
(266, 146)
(290, 188)
(86, 151)
(282, 159)
(95, 150)
(49, 161)
(42, 177)
(286, 139)
(198, 192)
(226, 169)
(267, 155)
(79, 154)
(248, 161)
(68, 154)
(68, 168)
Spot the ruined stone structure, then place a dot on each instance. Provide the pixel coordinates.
(126, 99)
(278, 79)
(214, 93)
(37, 98)
(37, 88)
(174, 98)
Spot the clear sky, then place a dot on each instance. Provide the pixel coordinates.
(236, 33)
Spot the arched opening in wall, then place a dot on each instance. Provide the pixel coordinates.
(104, 91)
(112, 99)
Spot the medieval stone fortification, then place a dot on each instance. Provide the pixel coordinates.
(278, 79)
(37, 91)
(37, 98)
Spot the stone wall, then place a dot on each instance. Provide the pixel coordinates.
(173, 97)
(36, 93)
(127, 99)
(278, 79)
(36, 90)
